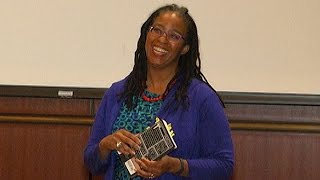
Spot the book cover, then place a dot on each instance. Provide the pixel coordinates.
(156, 142)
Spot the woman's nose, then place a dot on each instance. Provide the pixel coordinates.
(163, 37)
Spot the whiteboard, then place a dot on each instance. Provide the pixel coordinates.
(246, 46)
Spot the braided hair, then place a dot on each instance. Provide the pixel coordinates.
(189, 65)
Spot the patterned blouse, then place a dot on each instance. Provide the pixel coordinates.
(135, 121)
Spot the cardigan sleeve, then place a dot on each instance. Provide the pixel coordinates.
(91, 153)
(216, 148)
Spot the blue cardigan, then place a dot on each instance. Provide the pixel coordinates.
(202, 133)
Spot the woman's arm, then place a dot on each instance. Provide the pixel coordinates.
(216, 148)
(92, 154)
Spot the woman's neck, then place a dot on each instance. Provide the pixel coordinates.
(157, 81)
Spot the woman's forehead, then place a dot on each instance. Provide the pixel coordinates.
(172, 20)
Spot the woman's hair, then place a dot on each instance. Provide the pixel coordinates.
(189, 65)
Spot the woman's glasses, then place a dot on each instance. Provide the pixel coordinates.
(171, 36)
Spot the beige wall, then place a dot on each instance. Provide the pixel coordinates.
(254, 46)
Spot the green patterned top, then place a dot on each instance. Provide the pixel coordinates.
(135, 121)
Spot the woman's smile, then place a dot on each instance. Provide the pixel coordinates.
(159, 51)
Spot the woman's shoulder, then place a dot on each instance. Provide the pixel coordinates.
(118, 84)
(197, 85)
(115, 87)
(201, 90)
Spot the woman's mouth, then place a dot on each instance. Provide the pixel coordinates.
(159, 50)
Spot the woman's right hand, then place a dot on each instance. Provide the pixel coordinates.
(121, 140)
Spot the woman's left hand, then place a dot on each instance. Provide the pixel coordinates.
(152, 169)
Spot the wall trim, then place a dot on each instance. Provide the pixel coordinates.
(278, 127)
(51, 92)
(270, 98)
(46, 119)
(254, 126)
(229, 97)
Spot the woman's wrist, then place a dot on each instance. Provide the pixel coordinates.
(181, 167)
(103, 149)
(177, 166)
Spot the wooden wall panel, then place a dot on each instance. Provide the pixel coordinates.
(42, 151)
(276, 136)
(279, 113)
(266, 155)
(44, 106)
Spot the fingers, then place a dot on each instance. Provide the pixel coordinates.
(147, 168)
(125, 142)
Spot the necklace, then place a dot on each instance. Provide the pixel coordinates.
(151, 99)
(161, 97)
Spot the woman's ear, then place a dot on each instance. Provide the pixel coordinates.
(185, 49)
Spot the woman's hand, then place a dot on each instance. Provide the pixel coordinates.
(121, 140)
(152, 169)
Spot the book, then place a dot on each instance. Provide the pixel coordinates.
(156, 142)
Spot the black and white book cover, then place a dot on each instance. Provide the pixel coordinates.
(156, 142)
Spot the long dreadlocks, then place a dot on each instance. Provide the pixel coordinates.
(189, 65)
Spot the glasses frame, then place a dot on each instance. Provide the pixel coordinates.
(162, 32)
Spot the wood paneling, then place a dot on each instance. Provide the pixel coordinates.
(42, 151)
(276, 136)
(46, 119)
(44, 106)
(273, 113)
(266, 155)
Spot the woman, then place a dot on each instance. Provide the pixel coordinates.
(166, 82)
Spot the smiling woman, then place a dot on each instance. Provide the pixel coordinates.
(166, 82)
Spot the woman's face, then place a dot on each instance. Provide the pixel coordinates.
(165, 41)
